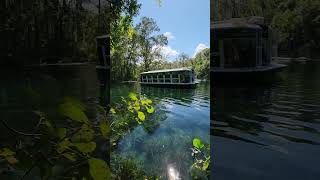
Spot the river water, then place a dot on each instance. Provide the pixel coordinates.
(184, 115)
(269, 132)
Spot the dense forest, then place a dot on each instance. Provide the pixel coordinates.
(298, 20)
(138, 48)
(43, 31)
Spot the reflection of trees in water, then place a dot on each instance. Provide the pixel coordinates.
(177, 94)
(243, 114)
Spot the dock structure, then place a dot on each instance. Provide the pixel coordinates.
(179, 77)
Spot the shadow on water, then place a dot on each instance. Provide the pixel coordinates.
(277, 124)
(163, 142)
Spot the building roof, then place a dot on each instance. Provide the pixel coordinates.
(167, 70)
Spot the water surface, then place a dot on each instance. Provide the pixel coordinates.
(271, 131)
(184, 115)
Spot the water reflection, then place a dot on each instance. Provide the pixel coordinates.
(278, 121)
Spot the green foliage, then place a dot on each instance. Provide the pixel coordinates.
(99, 170)
(65, 150)
(201, 155)
(197, 143)
(8, 155)
(73, 111)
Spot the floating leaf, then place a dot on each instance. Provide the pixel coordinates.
(74, 112)
(62, 132)
(197, 143)
(133, 96)
(150, 109)
(70, 156)
(141, 116)
(99, 169)
(85, 147)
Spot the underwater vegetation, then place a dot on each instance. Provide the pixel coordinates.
(138, 145)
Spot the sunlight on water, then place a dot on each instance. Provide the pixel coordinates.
(173, 174)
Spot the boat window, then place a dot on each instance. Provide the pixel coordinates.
(239, 52)
(185, 77)
(155, 79)
(160, 76)
(149, 78)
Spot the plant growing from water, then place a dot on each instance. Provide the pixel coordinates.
(201, 156)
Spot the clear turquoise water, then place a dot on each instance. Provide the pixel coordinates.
(184, 114)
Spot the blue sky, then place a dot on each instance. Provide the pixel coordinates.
(185, 22)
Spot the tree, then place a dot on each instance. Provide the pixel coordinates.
(150, 45)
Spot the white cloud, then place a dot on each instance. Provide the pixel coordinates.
(169, 35)
(199, 48)
(166, 51)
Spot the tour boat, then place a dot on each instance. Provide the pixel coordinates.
(180, 77)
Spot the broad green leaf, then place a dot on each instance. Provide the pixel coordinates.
(11, 159)
(85, 147)
(6, 152)
(62, 132)
(146, 102)
(150, 109)
(104, 128)
(75, 102)
(133, 96)
(136, 106)
(70, 156)
(8, 155)
(197, 143)
(98, 169)
(85, 134)
(141, 116)
(63, 145)
(74, 112)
